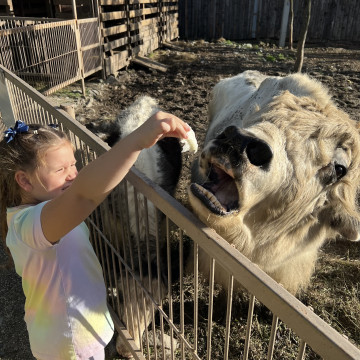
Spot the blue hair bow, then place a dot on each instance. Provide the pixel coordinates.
(20, 127)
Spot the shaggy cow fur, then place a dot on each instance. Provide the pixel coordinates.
(278, 174)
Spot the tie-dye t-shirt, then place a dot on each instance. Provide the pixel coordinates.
(65, 310)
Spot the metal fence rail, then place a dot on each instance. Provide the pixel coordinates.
(50, 54)
(180, 310)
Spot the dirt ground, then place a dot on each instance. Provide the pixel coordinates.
(193, 69)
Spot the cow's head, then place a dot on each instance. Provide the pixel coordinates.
(281, 183)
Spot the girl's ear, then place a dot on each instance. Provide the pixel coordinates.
(23, 180)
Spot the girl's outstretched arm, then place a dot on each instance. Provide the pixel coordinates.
(95, 181)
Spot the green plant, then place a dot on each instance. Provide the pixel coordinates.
(269, 57)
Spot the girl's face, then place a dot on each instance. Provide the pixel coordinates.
(56, 174)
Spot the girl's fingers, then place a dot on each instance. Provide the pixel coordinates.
(178, 128)
(162, 125)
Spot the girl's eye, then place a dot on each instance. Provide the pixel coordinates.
(59, 170)
(340, 171)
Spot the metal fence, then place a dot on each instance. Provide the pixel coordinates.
(50, 54)
(181, 306)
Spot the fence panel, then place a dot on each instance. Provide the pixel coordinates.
(261, 19)
(90, 45)
(48, 54)
(143, 237)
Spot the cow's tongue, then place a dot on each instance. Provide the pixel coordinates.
(219, 196)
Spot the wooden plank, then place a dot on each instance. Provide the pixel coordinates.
(172, 46)
(143, 61)
(171, 7)
(116, 62)
(123, 2)
(114, 15)
(115, 44)
(112, 2)
(114, 30)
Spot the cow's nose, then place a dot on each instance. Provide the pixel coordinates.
(258, 152)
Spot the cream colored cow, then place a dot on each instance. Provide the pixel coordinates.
(278, 173)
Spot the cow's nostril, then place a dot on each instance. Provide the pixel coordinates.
(259, 152)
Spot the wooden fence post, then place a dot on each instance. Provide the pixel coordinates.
(78, 47)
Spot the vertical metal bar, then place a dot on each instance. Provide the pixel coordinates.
(137, 230)
(211, 303)
(146, 303)
(123, 277)
(110, 234)
(151, 290)
(181, 265)
(301, 352)
(159, 280)
(272, 337)
(228, 316)
(248, 326)
(169, 275)
(102, 246)
(130, 316)
(138, 312)
(196, 295)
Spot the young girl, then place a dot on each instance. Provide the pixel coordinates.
(46, 202)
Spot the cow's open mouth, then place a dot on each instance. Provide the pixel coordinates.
(219, 194)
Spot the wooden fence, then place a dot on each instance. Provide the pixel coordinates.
(331, 20)
(52, 53)
(135, 27)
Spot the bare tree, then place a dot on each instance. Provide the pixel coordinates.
(291, 24)
(301, 43)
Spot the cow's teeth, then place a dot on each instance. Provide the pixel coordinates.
(214, 200)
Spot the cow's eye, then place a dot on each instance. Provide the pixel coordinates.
(340, 171)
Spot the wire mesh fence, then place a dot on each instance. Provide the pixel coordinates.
(50, 54)
(160, 265)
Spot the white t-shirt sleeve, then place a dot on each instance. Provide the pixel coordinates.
(26, 226)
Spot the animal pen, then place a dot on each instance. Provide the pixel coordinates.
(51, 53)
(177, 314)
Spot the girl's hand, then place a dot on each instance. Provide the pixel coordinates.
(158, 126)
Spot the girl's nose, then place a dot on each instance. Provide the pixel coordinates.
(72, 173)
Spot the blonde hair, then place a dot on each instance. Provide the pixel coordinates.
(24, 152)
